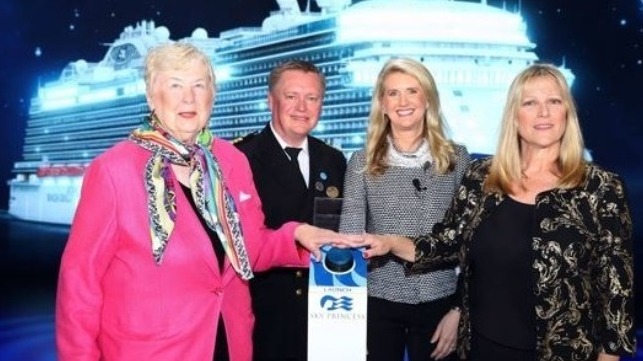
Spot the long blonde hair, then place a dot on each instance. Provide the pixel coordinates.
(506, 166)
(442, 149)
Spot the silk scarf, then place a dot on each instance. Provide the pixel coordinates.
(212, 197)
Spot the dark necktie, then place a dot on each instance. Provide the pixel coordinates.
(293, 153)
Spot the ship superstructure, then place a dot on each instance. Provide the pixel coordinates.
(473, 50)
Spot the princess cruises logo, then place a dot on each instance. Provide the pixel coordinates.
(330, 303)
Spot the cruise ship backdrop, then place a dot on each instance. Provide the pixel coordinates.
(472, 48)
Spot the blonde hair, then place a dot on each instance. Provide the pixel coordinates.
(506, 168)
(442, 149)
(173, 56)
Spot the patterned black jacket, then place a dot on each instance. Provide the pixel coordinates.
(582, 262)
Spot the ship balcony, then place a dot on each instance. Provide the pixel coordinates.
(231, 45)
(442, 50)
(67, 157)
(82, 151)
(71, 138)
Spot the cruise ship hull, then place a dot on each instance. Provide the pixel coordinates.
(47, 200)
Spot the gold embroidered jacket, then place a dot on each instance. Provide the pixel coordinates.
(582, 262)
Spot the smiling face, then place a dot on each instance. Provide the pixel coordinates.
(295, 103)
(404, 102)
(182, 99)
(542, 115)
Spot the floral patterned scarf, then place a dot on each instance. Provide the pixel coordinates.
(209, 191)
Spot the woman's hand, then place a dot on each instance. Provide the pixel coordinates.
(379, 245)
(607, 357)
(376, 245)
(446, 335)
(312, 238)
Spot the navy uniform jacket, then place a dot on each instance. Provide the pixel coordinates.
(279, 296)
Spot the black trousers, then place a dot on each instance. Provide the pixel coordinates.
(221, 344)
(484, 349)
(394, 327)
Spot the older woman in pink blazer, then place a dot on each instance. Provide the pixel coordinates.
(168, 230)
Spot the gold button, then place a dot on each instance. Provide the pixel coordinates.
(299, 273)
(298, 292)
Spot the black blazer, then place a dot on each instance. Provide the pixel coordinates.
(279, 296)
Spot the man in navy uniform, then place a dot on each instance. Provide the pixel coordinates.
(290, 169)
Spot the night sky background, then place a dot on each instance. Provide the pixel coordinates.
(601, 41)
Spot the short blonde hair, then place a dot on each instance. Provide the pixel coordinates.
(442, 149)
(171, 56)
(506, 168)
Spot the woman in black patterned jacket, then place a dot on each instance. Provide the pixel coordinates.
(543, 238)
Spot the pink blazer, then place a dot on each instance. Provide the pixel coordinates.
(115, 303)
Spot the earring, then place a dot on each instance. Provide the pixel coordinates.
(205, 137)
(150, 121)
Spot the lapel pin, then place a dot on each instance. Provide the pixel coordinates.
(332, 192)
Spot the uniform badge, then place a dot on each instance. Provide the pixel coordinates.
(332, 192)
(319, 186)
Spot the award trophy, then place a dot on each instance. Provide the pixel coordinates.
(336, 295)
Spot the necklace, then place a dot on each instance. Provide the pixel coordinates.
(416, 158)
(408, 153)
